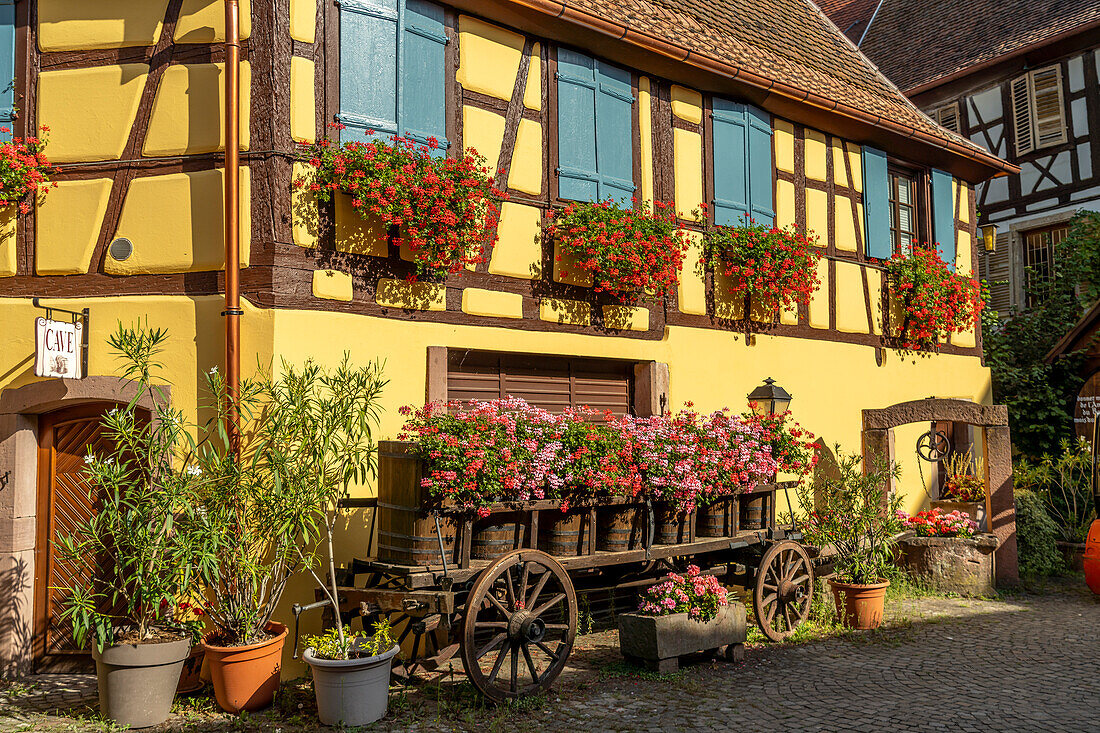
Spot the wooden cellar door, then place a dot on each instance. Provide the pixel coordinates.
(64, 502)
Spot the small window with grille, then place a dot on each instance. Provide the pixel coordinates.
(1039, 246)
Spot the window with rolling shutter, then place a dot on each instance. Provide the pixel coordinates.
(948, 117)
(1038, 109)
(595, 138)
(553, 383)
(391, 69)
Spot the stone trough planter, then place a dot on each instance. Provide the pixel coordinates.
(658, 642)
(950, 564)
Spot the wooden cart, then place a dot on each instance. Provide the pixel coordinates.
(501, 591)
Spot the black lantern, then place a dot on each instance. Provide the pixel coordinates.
(769, 398)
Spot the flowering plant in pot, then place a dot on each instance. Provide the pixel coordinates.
(137, 553)
(856, 517)
(305, 436)
(443, 207)
(775, 267)
(964, 488)
(681, 614)
(626, 249)
(24, 170)
(928, 300)
(351, 673)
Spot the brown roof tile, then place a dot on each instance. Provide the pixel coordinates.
(916, 42)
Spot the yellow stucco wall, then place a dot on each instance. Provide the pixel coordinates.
(105, 101)
(488, 57)
(203, 21)
(303, 20)
(8, 223)
(332, 285)
(176, 223)
(687, 149)
(69, 25)
(525, 173)
(303, 104)
(189, 110)
(67, 226)
(483, 131)
(518, 252)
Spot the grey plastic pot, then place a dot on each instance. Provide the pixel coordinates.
(137, 682)
(351, 692)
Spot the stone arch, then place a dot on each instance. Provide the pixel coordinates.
(992, 420)
(20, 408)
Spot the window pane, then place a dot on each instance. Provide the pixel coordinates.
(904, 194)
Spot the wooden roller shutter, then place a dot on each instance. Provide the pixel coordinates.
(550, 382)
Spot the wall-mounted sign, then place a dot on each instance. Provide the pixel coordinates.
(1087, 408)
(58, 348)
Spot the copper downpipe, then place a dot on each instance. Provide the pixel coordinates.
(233, 312)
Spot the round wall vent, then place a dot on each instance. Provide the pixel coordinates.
(121, 249)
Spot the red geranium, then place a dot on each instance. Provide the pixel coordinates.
(933, 301)
(777, 267)
(626, 249)
(24, 170)
(442, 206)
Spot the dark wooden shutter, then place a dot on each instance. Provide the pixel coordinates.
(550, 382)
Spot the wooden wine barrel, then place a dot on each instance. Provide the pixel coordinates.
(674, 527)
(715, 520)
(754, 511)
(494, 537)
(564, 534)
(620, 528)
(406, 534)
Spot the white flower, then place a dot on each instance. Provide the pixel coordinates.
(110, 461)
(89, 458)
(213, 370)
(193, 471)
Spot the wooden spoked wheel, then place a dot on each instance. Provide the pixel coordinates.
(519, 625)
(784, 590)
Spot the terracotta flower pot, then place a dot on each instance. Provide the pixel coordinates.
(137, 682)
(190, 678)
(860, 606)
(246, 677)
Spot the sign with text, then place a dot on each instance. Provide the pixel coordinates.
(58, 348)
(1088, 406)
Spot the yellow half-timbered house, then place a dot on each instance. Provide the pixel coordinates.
(752, 108)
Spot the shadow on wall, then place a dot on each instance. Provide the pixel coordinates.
(16, 633)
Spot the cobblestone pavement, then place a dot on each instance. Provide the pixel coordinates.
(1029, 663)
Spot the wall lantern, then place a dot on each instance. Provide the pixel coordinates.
(769, 398)
(989, 237)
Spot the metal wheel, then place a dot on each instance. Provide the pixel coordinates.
(784, 589)
(519, 625)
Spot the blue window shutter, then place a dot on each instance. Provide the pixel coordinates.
(730, 162)
(876, 203)
(576, 77)
(368, 67)
(943, 216)
(614, 138)
(760, 166)
(422, 102)
(7, 60)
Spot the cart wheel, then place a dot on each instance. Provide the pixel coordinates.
(784, 589)
(523, 605)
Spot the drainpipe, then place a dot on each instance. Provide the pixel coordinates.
(233, 312)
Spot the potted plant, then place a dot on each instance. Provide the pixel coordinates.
(626, 249)
(776, 268)
(442, 207)
(945, 551)
(964, 488)
(351, 674)
(263, 512)
(854, 515)
(680, 615)
(137, 550)
(929, 302)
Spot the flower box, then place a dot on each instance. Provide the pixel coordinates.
(658, 642)
(962, 565)
(975, 509)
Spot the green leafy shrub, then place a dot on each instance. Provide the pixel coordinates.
(1064, 482)
(1036, 534)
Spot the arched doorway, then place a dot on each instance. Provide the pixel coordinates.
(992, 421)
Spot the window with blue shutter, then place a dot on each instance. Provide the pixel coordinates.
(742, 161)
(391, 69)
(7, 60)
(943, 216)
(876, 204)
(595, 129)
